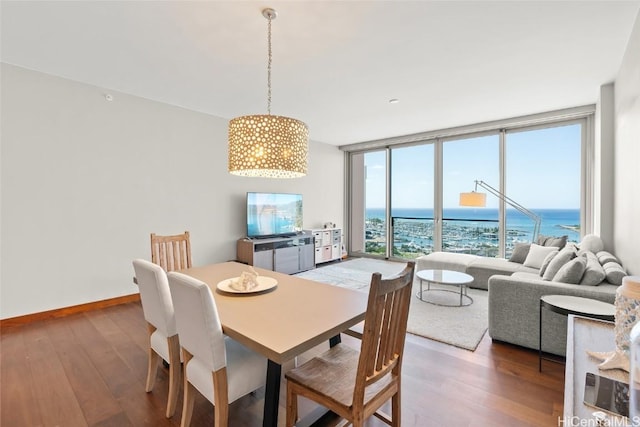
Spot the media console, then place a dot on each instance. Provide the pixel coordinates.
(287, 255)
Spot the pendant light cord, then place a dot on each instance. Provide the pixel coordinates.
(269, 70)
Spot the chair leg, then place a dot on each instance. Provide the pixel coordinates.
(154, 360)
(152, 369)
(292, 406)
(189, 392)
(395, 409)
(221, 398)
(174, 374)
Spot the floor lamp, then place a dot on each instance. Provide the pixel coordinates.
(480, 200)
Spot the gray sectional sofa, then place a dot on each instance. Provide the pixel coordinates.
(515, 288)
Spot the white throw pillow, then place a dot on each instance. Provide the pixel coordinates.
(537, 254)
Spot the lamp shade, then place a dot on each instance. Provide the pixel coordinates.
(473, 199)
(268, 146)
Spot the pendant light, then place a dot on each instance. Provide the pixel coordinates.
(265, 145)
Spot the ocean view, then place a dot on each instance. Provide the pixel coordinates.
(465, 230)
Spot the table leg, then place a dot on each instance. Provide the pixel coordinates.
(272, 394)
(333, 341)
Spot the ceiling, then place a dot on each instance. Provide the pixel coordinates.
(336, 64)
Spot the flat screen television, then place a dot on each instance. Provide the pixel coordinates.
(273, 214)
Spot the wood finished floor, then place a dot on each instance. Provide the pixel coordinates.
(89, 370)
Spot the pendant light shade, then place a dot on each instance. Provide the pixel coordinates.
(268, 146)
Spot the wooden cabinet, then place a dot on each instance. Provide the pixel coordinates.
(328, 244)
(282, 254)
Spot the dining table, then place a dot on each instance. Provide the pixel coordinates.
(282, 322)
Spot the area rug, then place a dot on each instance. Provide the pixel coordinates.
(462, 327)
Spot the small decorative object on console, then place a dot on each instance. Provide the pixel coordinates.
(627, 315)
(247, 281)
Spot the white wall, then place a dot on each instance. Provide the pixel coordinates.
(603, 166)
(85, 181)
(626, 208)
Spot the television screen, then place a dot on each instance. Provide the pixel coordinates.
(273, 214)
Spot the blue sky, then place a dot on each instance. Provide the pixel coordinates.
(542, 172)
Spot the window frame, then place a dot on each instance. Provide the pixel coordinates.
(579, 115)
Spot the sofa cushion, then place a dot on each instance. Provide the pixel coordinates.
(563, 257)
(594, 273)
(520, 252)
(572, 271)
(558, 242)
(615, 273)
(605, 257)
(537, 255)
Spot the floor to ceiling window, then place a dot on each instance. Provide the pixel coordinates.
(404, 199)
(542, 173)
(470, 229)
(369, 224)
(412, 199)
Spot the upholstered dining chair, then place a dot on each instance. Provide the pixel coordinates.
(220, 368)
(163, 335)
(355, 384)
(171, 252)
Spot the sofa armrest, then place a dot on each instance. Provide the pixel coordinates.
(514, 303)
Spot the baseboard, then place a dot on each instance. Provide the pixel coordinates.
(67, 311)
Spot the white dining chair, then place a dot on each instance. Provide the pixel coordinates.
(163, 334)
(220, 368)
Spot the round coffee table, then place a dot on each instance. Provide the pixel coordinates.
(445, 277)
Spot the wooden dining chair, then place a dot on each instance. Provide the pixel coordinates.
(161, 323)
(171, 252)
(220, 368)
(355, 384)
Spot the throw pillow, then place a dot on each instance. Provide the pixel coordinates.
(564, 256)
(520, 252)
(558, 242)
(605, 257)
(537, 254)
(541, 239)
(591, 243)
(594, 273)
(572, 271)
(614, 272)
(545, 263)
